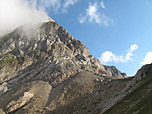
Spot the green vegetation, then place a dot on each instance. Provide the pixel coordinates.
(7, 58)
(138, 102)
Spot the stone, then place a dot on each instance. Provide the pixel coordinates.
(46, 68)
(14, 105)
(3, 88)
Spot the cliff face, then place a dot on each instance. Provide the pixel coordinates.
(45, 62)
(114, 72)
(46, 52)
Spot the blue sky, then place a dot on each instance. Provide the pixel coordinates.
(117, 32)
(129, 23)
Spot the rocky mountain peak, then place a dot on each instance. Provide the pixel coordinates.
(44, 70)
(48, 52)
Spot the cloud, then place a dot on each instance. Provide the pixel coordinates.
(108, 56)
(106, 21)
(147, 59)
(14, 13)
(53, 6)
(56, 6)
(82, 18)
(102, 4)
(67, 3)
(130, 52)
(93, 14)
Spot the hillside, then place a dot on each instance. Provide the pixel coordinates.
(139, 101)
(44, 70)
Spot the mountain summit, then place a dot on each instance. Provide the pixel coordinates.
(45, 52)
(44, 70)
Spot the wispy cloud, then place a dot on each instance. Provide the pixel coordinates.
(102, 4)
(93, 14)
(82, 18)
(53, 6)
(108, 56)
(68, 3)
(147, 59)
(130, 52)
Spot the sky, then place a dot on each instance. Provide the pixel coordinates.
(117, 32)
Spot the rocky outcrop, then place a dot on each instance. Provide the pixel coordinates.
(3, 88)
(45, 70)
(2, 112)
(138, 94)
(142, 72)
(14, 105)
(26, 98)
(81, 93)
(114, 72)
(46, 52)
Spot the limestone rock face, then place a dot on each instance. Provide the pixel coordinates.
(13, 105)
(43, 69)
(28, 98)
(46, 52)
(2, 112)
(142, 72)
(3, 88)
(114, 72)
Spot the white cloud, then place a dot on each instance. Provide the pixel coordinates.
(108, 56)
(93, 14)
(102, 4)
(52, 5)
(67, 3)
(14, 13)
(147, 59)
(82, 18)
(106, 21)
(130, 52)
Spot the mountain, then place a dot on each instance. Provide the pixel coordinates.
(114, 72)
(139, 99)
(44, 52)
(44, 70)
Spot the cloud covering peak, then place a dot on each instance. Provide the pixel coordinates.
(14, 13)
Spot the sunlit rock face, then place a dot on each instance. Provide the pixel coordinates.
(46, 64)
(46, 51)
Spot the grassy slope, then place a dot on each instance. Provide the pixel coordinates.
(7, 58)
(138, 102)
